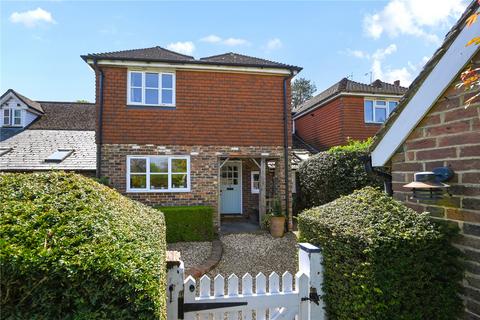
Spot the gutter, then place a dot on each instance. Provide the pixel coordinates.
(100, 120)
(285, 147)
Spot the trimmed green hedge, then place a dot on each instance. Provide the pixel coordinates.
(72, 248)
(189, 223)
(383, 260)
(334, 173)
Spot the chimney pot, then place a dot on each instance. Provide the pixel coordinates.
(397, 83)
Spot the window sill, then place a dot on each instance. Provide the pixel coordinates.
(151, 107)
(374, 123)
(157, 191)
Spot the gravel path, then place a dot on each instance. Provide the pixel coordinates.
(257, 252)
(192, 253)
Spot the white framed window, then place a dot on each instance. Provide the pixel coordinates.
(151, 88)
(158, 173)
(255, 181)
(377, 111)
(12, 117)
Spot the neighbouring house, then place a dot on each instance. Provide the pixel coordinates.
(432, 128)
(175, 130)
(46, 135)
(346, 110)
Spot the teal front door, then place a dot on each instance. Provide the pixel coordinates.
(231, 188)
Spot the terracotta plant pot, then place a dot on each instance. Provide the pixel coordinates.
(277, 226)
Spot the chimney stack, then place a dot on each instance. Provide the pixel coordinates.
(397, 83)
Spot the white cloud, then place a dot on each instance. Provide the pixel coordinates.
(32, 18)
(186, 47)
(232, 42)
(235, 42)
(413, 17)
(358, 54)
(274, 44)
(211, 39)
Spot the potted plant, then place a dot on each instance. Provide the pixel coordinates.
(277, 220)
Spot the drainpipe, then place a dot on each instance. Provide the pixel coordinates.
(100, 119)
(285, 147)
(387, 178)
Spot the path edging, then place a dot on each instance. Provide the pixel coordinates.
(214, 258)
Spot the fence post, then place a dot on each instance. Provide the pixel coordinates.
(310, 262)
(175, 277)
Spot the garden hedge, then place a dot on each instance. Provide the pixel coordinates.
(189, 223)
(72, 248)
(328, 175)
(383, 260)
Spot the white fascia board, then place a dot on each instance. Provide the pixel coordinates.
(439, 79)
(348, 94)
(190, 66)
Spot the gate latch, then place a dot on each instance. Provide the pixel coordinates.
(313, 297)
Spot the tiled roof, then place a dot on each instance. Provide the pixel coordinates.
(159, 54)
(146, 54)
(427, 69)
(65, 116)
(30, 148)
(233, 59)
(348, 86)
(30, 103)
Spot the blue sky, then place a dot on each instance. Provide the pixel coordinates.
(41, 42)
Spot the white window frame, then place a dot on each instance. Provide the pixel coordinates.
(11, 117)
(147, 173)
(375, 106)
(143, 87)
(252, 186)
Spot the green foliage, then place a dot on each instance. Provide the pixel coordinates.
(329, 175)
(266, 221)
(277, 208)
(353, 146)
(302, 90)
(189, 223)
(383, 260)
(72, 248)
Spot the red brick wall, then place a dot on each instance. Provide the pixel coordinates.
(353, 124)
(321, 128)
(449, 136)
(332, 124)
(212, 108)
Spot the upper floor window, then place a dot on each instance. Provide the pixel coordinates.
(158, 173)
(12, 117)
(151, 88)
(377, 111)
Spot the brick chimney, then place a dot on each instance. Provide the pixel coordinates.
(396, 83)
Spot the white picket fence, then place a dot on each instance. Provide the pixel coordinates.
(287, 300)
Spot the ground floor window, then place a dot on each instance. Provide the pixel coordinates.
(255, 179)
(158, 173)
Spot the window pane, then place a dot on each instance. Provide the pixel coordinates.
(151, 80)
(159, 181)
(380, 114)
(167, 96)
(6, 117)
(159, 165)
(167, 80)
(179, 181)
(368, 110)
(136, 95)
(391, 106)
(138, 165)
(138, 181)
(179, 165)
(381, 103)
(151, 96)
(136, 79)
(256, 177)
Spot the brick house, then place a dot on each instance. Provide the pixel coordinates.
(175, 130)
(431, 128)
(46, 135)
(346, 110)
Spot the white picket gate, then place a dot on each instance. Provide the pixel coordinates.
(301, 301)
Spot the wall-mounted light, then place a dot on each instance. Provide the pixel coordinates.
(430, 185)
